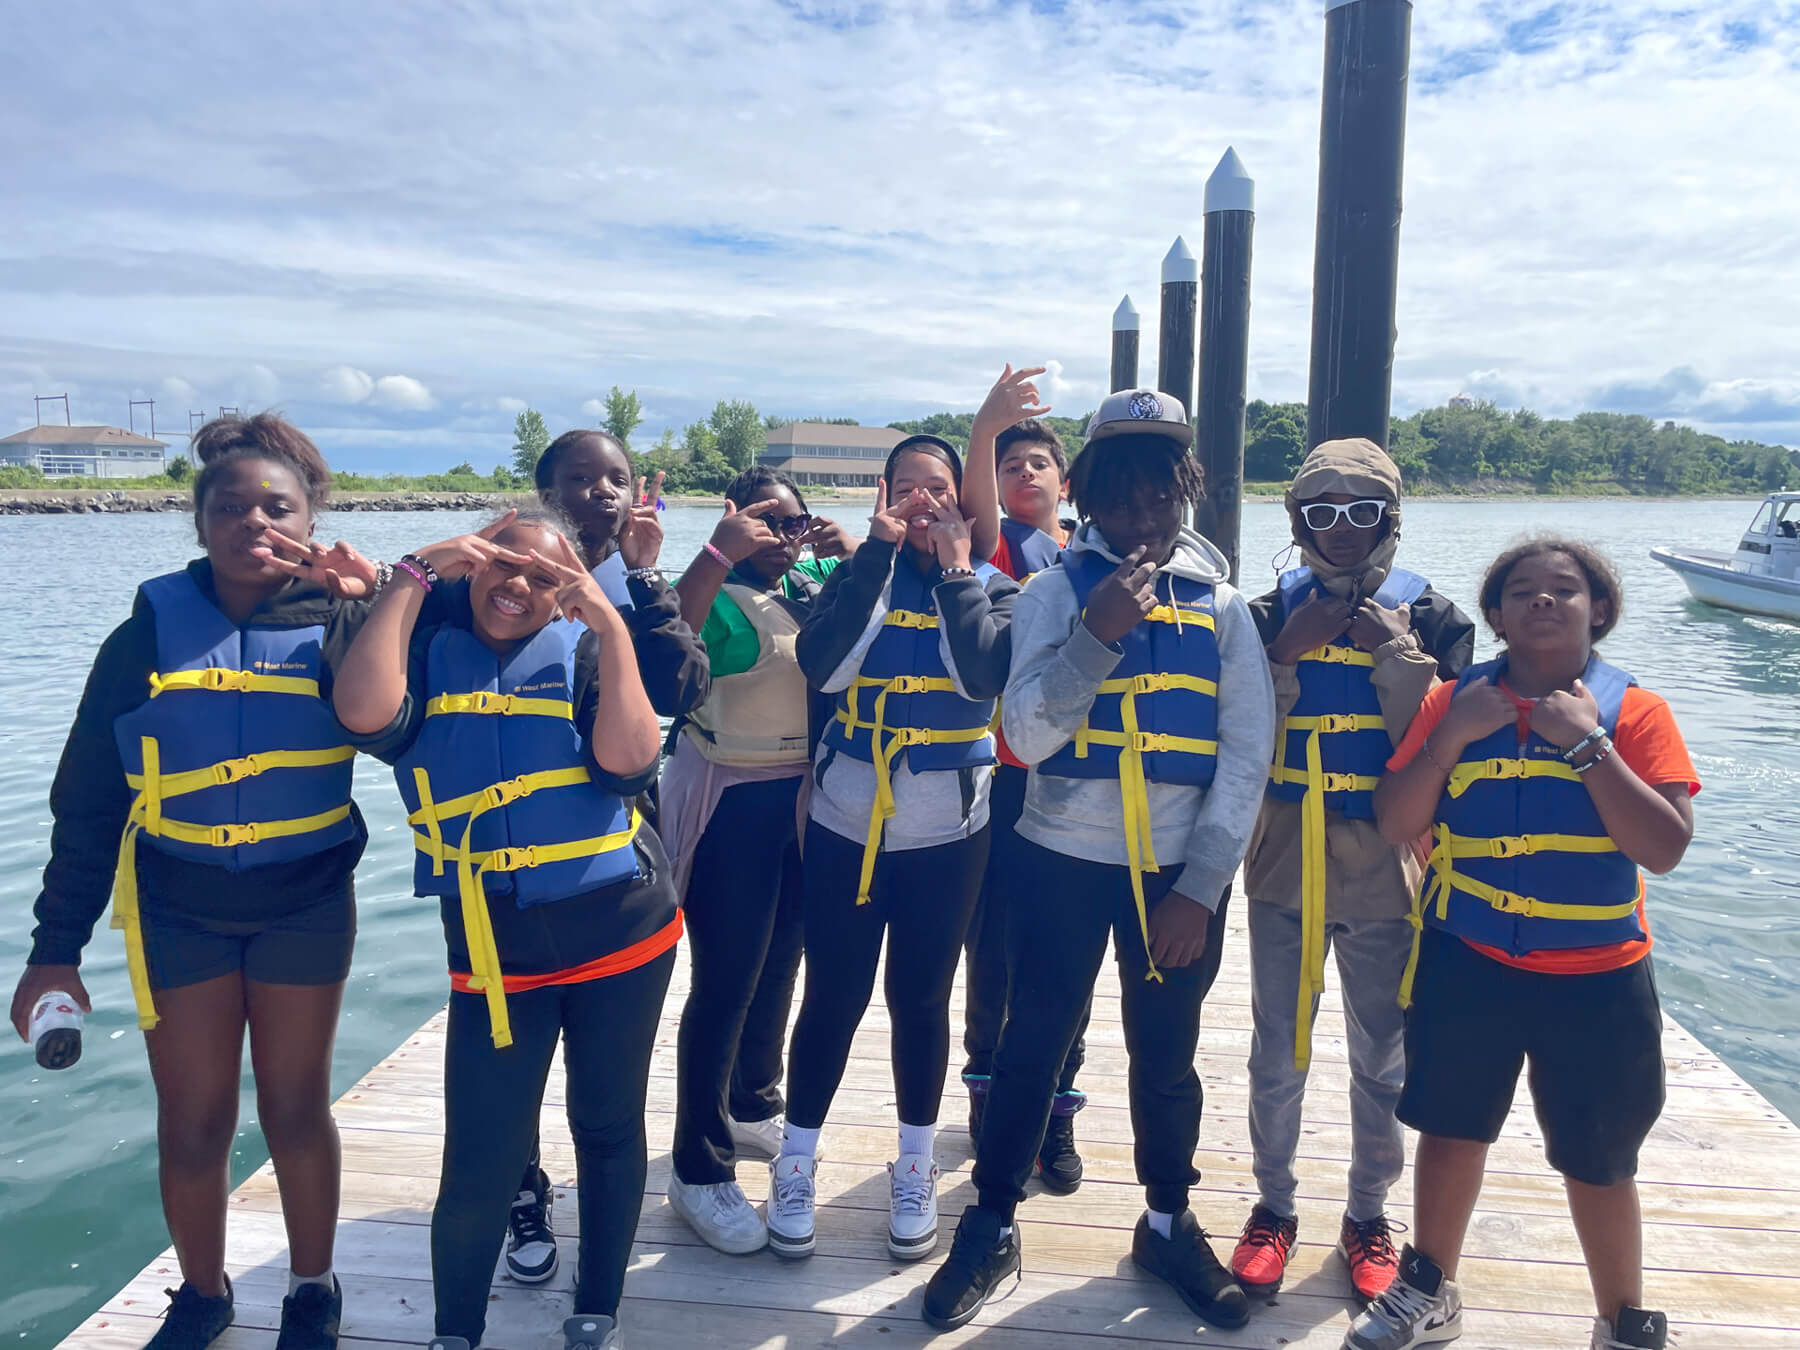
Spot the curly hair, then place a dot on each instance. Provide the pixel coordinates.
(267, 435)
(754, 479)
(1117, 470)
(1602, 576)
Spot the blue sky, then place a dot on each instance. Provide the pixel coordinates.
(400, 223)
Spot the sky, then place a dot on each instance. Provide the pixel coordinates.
(401, 223)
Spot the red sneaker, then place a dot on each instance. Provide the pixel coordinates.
(1262, 1252)
(1368, 1249)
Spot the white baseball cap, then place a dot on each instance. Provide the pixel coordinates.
(1135, 411)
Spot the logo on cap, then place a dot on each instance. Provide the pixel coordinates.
(1147, 407)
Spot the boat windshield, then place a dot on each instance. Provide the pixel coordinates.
(1761, 524)
(1787, 520)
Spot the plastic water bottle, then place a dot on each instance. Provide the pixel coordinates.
(56, 1029)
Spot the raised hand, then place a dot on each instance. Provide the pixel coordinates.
(888, 523)
(949, 533)
(1012, 399)
(829, 539)
(465, 553)
(641, 532)
(1478, 709)
(1371, 625)
(1313, 623)
(1564, 716)
(578, 595)
(740, 533)
(340, 569)
(1122, 599)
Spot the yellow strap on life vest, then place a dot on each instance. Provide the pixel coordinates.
(506, 705)
(1180, 617)
(427, 820)
(1444, 878)
(145, 816)
(882, 752)
(215, 679)
(1465, 775)
(478, 925)
(1334, 655)
(909, 618)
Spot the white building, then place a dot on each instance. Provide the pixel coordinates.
(84, 452)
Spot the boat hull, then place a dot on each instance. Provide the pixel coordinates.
(1711, 579)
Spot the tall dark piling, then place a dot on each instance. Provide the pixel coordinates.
(1175, 342)
(1224, 352)
(1362, 145)
(1125, 346)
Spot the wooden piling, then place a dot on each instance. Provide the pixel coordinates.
(1175, 342)
(1125, 346)
(1224, 352)
(1362, 144)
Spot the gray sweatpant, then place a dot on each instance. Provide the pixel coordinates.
(1371, 957)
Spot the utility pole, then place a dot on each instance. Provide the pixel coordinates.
(131, 414)
(39, 400)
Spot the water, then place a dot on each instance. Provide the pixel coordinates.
(78, 1198)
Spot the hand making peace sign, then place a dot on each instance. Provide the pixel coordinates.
(578, 595)
(340, 569)
(466, 553)
(641, 533)
(1012, 399)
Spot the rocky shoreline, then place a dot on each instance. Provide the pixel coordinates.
(97, 501)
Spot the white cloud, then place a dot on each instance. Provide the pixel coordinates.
(177, 390)
(511, 405)
(347, 384)
(256, 388)
(593, 408)
(402, 393)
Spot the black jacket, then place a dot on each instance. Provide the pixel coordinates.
(1443, 630)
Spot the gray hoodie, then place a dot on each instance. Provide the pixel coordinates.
(1057, 667)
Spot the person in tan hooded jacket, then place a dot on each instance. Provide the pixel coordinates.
(1354, 644)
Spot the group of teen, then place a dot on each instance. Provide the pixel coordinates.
(979, 728)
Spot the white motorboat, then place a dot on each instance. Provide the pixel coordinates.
(1762, 577)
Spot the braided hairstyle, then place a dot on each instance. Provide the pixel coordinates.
(1116, 471)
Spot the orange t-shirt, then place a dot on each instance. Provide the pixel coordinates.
(1649, 743)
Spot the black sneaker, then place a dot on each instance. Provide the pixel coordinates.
(193, 1321)
(1632, 1329)
(1186, 1262)
(977, 1083)
(309, 1318)
(531, 1244)
(1058, 1163)
(979, 1259)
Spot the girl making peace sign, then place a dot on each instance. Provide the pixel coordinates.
(519, 743)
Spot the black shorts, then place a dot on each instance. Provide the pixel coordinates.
(307, 946)
(1594, 1043)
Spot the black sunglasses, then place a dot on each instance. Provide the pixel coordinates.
(792, 527)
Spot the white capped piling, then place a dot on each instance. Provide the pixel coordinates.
(1175, 341)
(1125, 346)
(1224, 352)
(1362, 146)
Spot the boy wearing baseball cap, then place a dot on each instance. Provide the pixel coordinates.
(1140, 696)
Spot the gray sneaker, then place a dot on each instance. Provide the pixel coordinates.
(591, 1333)
(1420, 1307)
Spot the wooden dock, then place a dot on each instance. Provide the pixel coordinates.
(1720, 1181)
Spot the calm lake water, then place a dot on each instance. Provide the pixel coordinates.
(78, 1195)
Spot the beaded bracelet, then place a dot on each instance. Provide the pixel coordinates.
(1425, 747)
(384, 573)
(645, 574)
(406, 565)
(950, 572)
(425, 568)
(713, 552)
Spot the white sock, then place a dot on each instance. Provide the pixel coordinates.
(917, 1139)
(798, 1139)
(295, 1282)
(1160, 1222)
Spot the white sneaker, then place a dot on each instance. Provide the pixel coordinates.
(720, 1214)
(757, 1138)
(790, 1208)
(912, 1206)
(1421, 1307)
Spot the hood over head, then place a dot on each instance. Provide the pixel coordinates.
(1360, 467)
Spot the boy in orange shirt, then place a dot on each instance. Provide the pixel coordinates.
(1545, 779)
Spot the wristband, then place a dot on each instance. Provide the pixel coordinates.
(712, 551)
(420, 565)
(1597, 734)
(958, 573)
(1603, 753)
(406, 565)
(643, 573)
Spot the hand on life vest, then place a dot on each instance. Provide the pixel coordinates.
(828, 539)
(1178, 929)
(1478, 709)
(1371, 625)
(889, 522)
(340, 569)
(1314, 622)
(949, 532)
(641, 534)
(578, 595)
(1012, 399)
(740, 533)
(40, 980)
(1564, 716)
(462, 555)
(1120, 602)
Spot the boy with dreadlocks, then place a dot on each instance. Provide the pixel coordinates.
(1140, 697)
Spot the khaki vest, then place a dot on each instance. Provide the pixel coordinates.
(757, 717)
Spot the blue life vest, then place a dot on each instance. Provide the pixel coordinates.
(234, 761)
(1521, 860)
(1337, 704)
(1155, 719)
(497, 779)
(1032, 550)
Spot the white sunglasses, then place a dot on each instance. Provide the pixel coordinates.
(1322, 516)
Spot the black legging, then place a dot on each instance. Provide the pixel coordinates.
(491, 1104)
(921, 899)
(743, 926)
